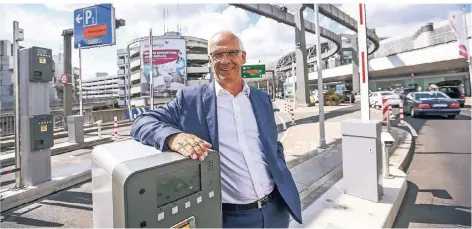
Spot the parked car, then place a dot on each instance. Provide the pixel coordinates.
(348, 96)
(453, 92)
(431, 103)
(375, 98)
(404, 92)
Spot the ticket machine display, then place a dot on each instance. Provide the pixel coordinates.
(138, 186)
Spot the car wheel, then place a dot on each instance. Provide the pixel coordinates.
(451, 116)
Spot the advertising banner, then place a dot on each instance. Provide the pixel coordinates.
(169, 65)
(457, 22)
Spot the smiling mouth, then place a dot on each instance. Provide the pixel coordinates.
(226, 69)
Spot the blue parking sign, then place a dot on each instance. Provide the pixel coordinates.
(94, 26)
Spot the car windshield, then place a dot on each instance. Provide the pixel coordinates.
(449, 89)
(386, 93)
(433, 95)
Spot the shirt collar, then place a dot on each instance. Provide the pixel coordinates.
(221, 91)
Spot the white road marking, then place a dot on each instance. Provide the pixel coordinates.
(282, 120)
(412, 130)
(285, 135)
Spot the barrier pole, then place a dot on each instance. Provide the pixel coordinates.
(402, 117)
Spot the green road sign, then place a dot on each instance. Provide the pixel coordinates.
(253, 71)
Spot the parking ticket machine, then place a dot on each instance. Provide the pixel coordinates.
(138, 186)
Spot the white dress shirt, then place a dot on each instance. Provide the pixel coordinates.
(245, 176)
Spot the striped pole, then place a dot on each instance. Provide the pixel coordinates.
(363, 62)
(402, 118)
(115, 126)
(286, 107)
(385, 109)
(292, 114)
(390, 111)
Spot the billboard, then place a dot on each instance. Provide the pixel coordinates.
(169, 65)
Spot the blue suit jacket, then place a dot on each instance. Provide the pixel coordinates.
(193, 111)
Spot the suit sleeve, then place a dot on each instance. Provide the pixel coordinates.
(280, 146)
(154, 126)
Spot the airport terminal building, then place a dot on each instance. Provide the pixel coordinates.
(428, 56)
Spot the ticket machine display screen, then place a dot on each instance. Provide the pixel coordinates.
(178, 184)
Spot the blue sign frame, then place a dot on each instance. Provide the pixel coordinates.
(92, 20)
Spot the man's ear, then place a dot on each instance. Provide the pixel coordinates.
(243, 55)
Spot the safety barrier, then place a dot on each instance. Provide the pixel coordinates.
(115, 127)
(402, 118)
(292, 112)
(390, 111)
(385, 110)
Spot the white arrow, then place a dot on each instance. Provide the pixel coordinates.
(79, 18)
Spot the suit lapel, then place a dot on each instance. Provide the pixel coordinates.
(209, 104)
(256, 104)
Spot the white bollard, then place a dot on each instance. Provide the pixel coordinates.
(402, 117)
(390, 111)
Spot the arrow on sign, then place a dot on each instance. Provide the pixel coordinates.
(79, 18)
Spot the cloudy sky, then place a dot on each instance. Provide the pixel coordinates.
(264, 39)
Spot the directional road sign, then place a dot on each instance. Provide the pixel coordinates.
(253, 71)
(94, 26)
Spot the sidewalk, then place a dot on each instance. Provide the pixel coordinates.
(318, 173)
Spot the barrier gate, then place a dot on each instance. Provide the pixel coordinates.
(136, 186)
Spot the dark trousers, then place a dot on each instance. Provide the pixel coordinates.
(274, 215)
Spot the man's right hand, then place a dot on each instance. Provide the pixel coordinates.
(189, 145)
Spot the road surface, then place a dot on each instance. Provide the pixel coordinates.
(439, 176)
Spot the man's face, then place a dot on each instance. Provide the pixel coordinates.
(227, 58)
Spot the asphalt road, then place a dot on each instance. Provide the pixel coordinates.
(439, 176)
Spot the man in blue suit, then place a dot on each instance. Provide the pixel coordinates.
(258, 190)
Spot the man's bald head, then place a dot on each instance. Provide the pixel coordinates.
(227, 56)
(222, 37)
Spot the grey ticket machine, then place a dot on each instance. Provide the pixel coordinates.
(138, 186)
(36, 121)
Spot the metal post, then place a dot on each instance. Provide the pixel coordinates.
(67, 88)
(322, 143)
(80, 81)
(151, 91)
(267, 88)
(294, 91)
(128, 85)
(363, 62)
(469, 58)
(385, 164)
(17, 36)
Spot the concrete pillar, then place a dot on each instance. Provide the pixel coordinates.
(302, 92)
